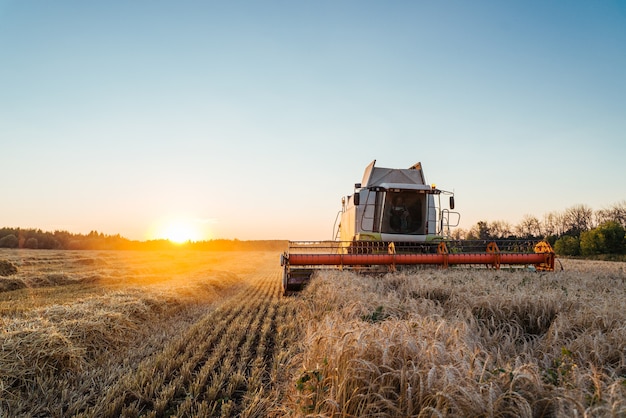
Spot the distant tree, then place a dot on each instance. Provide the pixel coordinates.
(567, 245)
(48, 242)
(458, 234)
(591, 243)
(8, 231)
(76, 244)
(529, 227)
(479, 231)
(614, 234)
(554, 224)
(31, 243)
(500, 229)
(616, 213)
(63, 238)
(608, 238)
(485, 231)
(578, 218)
(9, 241)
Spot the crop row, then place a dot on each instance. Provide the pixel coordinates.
(229, 362)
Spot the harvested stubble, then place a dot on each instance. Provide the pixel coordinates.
(7, 268)
(184, 333)
(55, 347)
(63, 344)
(224, 365)
(464, 343)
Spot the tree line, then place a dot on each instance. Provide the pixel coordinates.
(94, 240)
(578, 230)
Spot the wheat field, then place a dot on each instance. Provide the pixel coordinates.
(184, 333)
(480, 343)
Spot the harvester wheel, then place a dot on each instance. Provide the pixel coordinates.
(285, 280)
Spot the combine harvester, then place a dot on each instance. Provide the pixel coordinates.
(395, 219)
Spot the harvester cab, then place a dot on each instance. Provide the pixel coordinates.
(394, 218)
(395, 205)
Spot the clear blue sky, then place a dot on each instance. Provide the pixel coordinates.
(252, 119)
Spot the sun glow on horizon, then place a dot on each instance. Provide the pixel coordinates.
(180, 231)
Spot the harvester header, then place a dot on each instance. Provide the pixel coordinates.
(394, 218)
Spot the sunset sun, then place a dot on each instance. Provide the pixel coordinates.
(180, 231)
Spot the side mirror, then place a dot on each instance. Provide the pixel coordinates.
(451, 202)
(357, 196)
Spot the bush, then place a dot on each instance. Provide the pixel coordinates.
(31, 243)
(567, 245)
(613, 234)
(9, 241)
(591, 243)
(608, 238)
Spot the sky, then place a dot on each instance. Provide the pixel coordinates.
(251, 119)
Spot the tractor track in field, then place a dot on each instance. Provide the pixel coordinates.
(231, 362)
